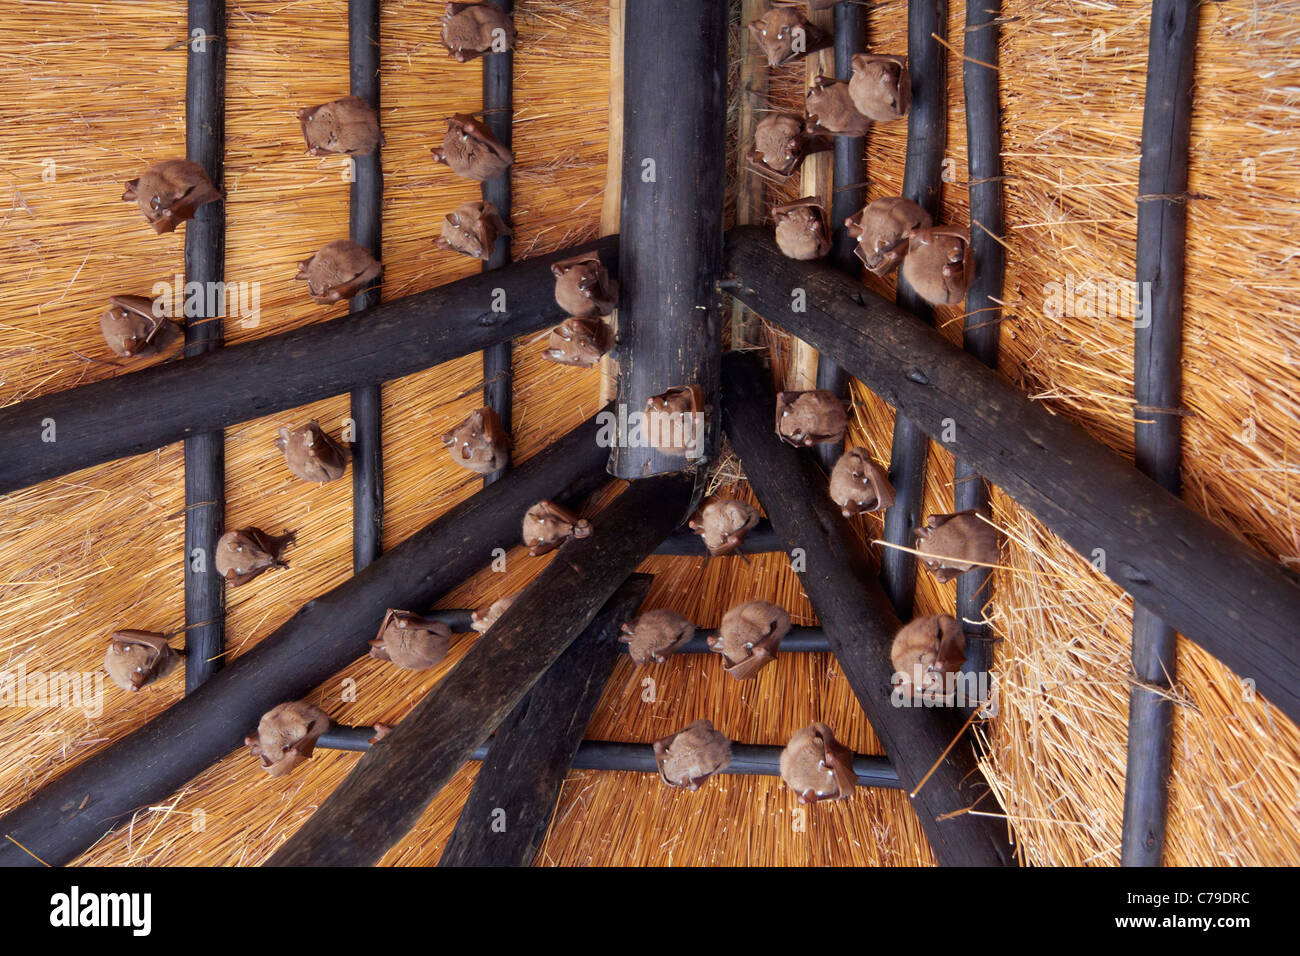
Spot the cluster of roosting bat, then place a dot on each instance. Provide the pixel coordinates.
(936, 260)
(923, 653)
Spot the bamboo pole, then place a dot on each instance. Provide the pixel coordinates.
(926, 745)
(1157, 388)
(78, 807)
(498, 116)
(392, 784)
(983, 299)
(205, 263)
(927, 137)
(1215, 589)
(505, 817)
(365, 226)
(153, 407)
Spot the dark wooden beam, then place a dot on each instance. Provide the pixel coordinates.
(392, 784)
(498, 115)
(1157, 381)
(674, 165)
(205, 263)
(1216, 590)
(505, 817)
(684, 541)
(927, 138)
(860, 624)
(365, 226)
(143, 410)
(746, 759)
(70, 813)
(983, 309)
(848, 195)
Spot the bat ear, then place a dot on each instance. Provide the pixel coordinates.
(131, 186)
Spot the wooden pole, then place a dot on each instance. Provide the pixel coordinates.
(392, 784)
(70, 813)
(498, 116)
(365, 226)
(943, 779)
(983, 298)
(1202, 580)
(505, 817)
(746, 327)
(153, 407)
(927, 137)
(1157, 381)
(746, 759)
(612, 200)
(674, 164)
(205, 263)
(848, 195)
(816, 178)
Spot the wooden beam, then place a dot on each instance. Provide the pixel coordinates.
(848, 196)
(983, 299)
(927, 138)
(143, 768)
(498, 116)
(1157, 381)
(1215, 589)
(684, 541)
(937, 768)
(674, 171)
(505, 817)
(746, 759)
(365, 226)
(205, 263)
(392, 784)
(143, 410)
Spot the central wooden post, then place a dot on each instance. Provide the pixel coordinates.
(674, 162)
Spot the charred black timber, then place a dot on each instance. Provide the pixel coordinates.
(498, 115)
(205, 263)
(983, 310)
(1202, 580)
(1157, 388)
(746, 759)
(392, 784)
(860, 625)
(684, 541)
(365, 226)
(153, 407)
(531, 752)
(67, 815)
(927, 137)
(848, 195)
(674, 159)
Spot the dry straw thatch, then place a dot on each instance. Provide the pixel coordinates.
(100, 94)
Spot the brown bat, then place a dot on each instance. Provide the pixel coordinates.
(338, 270)
(170, 192)
(410, 641)
(311, 454)
(749, 637)
(244, 554)
(135, 659)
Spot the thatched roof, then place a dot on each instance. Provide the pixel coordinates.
(99, 93)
